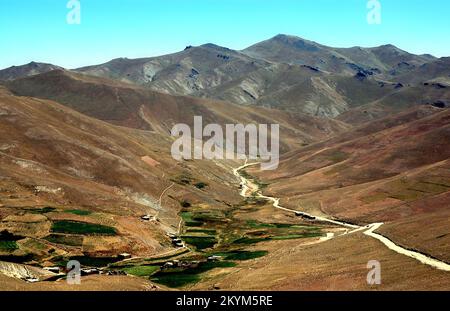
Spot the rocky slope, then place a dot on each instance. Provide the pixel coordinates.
(392, 170)
(137, 107)
(284, 72)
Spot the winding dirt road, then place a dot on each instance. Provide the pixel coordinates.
(369, 230)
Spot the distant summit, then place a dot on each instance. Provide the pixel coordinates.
(26, 70)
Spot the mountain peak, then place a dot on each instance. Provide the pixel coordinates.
(390, 47)
(286, 43)
(212, 46)
(281, 36)
(290, 38)
(32, 68)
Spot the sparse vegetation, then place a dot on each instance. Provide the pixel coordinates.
(337, 156)
(374, 197)
(408, 190)
(183, 179)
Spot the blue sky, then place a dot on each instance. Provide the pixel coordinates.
(37, 29)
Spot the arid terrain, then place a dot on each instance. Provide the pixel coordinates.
(86, 171)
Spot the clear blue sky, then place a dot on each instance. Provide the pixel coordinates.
(37, 29)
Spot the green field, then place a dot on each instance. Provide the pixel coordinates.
(43, 210)
(189, 221)
(178, 278)
(261, 185)
(8, 246)
(76, 227)
(200, 242)
(142, 271)
(97, 262)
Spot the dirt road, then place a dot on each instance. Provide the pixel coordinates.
(369, 230)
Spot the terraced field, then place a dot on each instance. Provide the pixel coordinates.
(76, 227)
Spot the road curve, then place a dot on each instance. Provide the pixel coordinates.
(369, 230)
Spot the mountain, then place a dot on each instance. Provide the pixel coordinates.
(295, 50)
(438, 70)
(183, 73)
(404, 97)
(393, 170)
(134, 106)
(30, 69)
(284, 72)
(58, 167)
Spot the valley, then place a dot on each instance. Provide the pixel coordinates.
(87, 172)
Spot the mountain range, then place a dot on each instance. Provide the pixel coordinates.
(284, 72)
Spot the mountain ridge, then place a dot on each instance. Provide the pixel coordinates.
(284, 72)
